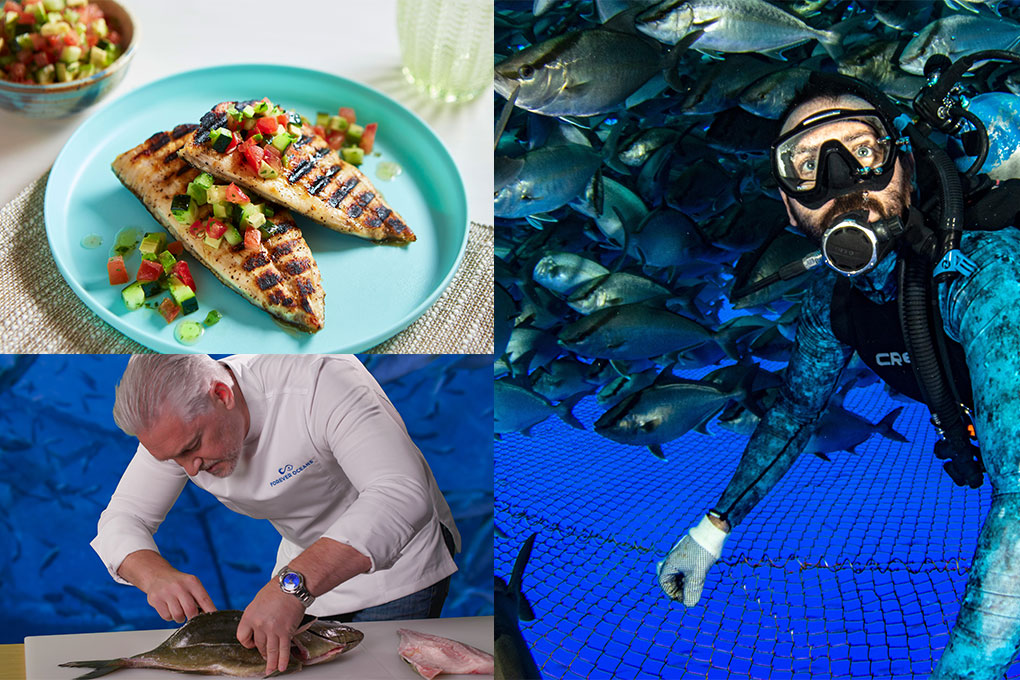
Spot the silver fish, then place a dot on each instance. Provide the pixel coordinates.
(956, 36)
(550, 177)
(611, 290)
(581, 73)
(622, 209)
(769, 96)
(634, 331)
(208, 644)
(564, 273)
(518, 409)
(731, 26)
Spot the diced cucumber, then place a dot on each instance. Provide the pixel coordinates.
(134, 296)
(184, 209)
(221, 210)
(54, 28)
(62, 75)
(40, 13)
(213, 243)
(100, 28)
(248, 123)
(261, 107)
(354, 133)
(232, 235)
(151, 288)
(281, 140)
(46, 75)
(153, 243)
(221, 138)
(266, 171)
(53, 5)
(216, 194)
(97, 57)
(322, 118)
(167, 259)
(251, 216)
(70, 53)
(267, 211)
(353, 155)
(337, 124)
(188, 332)
(248, 111)
(87, 71)
(183, 295)
(77, 3)
(24, 41)
(199, 187)
(233, 112)
(294, 131)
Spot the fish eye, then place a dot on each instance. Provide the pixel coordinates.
(526, 72)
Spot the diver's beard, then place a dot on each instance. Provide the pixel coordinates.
(815, 226)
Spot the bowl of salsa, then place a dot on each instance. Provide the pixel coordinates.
(58, 57)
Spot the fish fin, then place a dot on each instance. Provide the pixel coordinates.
(656, 450)
(504, 115)
(885, 426)
(623, 22)
(832, 42)
(525, 612)
(672, 59)
(517, 574)
(533, 222)
(702, 427)
(822, 455)
(565, 410)
(101, 667)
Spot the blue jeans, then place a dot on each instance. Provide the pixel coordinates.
(426, 603)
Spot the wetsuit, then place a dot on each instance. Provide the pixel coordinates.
(981, 313)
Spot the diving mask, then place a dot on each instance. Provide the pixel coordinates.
(853, 246)
(835, 152)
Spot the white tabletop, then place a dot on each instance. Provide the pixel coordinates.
(350, 38)
(374, 658)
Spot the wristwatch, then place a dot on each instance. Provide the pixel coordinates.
(293, 582)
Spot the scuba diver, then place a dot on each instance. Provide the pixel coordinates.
(930, 277)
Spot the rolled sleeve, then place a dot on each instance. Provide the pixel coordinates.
(146, 492)
(369, 441)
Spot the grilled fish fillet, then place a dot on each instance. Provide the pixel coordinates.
(316, 182)
(281, 277)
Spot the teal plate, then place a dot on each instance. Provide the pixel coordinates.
(372, 291)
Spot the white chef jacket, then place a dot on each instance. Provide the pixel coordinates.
(326, 454)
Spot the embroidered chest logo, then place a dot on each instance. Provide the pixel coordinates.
(288, 471)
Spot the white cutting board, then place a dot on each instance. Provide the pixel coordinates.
(375, 658)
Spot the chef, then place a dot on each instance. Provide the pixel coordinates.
(310, 443)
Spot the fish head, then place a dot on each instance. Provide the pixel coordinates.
(627, 419)
(538, 73)
(667, 21)
(323, 640)
(920, 47)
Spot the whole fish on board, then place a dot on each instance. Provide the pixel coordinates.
(208, 644)
(431, 655)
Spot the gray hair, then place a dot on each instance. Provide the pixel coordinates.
(152, 385)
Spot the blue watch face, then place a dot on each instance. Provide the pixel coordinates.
(291, 581)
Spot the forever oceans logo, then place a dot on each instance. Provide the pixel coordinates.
(288, 471)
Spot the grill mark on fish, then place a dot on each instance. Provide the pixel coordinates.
(209, 122)
(323, 180)
(153, 144)
(354, 210)
(396, 224)
(304, 286)
(339, 194)
(257, 260)
(296, 266)
(381, 213)
(183, 170)
(365, 198)
(171, 157)
(267, 280)
(183, 129)
(305, 166)
(281, 250)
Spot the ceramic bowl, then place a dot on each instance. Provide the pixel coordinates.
(63, 99)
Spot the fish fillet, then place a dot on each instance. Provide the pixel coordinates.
(281, 276)
(315, 182)
(431, 655)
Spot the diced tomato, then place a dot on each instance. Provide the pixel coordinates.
(216, 228)
(267, 125)
(169, 309)
(272, 155)
(17, 71)
(89, 13)
(319, 130)
(253, 155)
(252, 239)
(11, 6)
(149, 271)
(196, 229)
(336, 139)
(233, 142)
(25, 56)
(26, 18)
(283, 119)
(55, 42)
(71, 38)
(181, 271)
(368, 137)
(175, 248)
(348, 113)
(116, 270)
(91, 39)
(235, 195)
(113, 37)
(41, 59)
(38, 40)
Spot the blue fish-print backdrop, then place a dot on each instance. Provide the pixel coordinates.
(61, 456)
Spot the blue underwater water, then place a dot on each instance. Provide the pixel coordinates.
(61, 456)
(852, 568)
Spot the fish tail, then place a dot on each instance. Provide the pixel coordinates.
(885, 426)
(565, 409)
(832, 40)
(101, 667)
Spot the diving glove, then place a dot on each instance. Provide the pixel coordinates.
(682, 573)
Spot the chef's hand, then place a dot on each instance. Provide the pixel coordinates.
(269, 623)
(682, 572)
(173, 594)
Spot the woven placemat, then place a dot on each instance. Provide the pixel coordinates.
(40, 314)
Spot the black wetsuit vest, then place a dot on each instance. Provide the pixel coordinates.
(874, 331)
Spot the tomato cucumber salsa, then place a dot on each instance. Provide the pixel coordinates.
(261, 132)
(55, 41)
